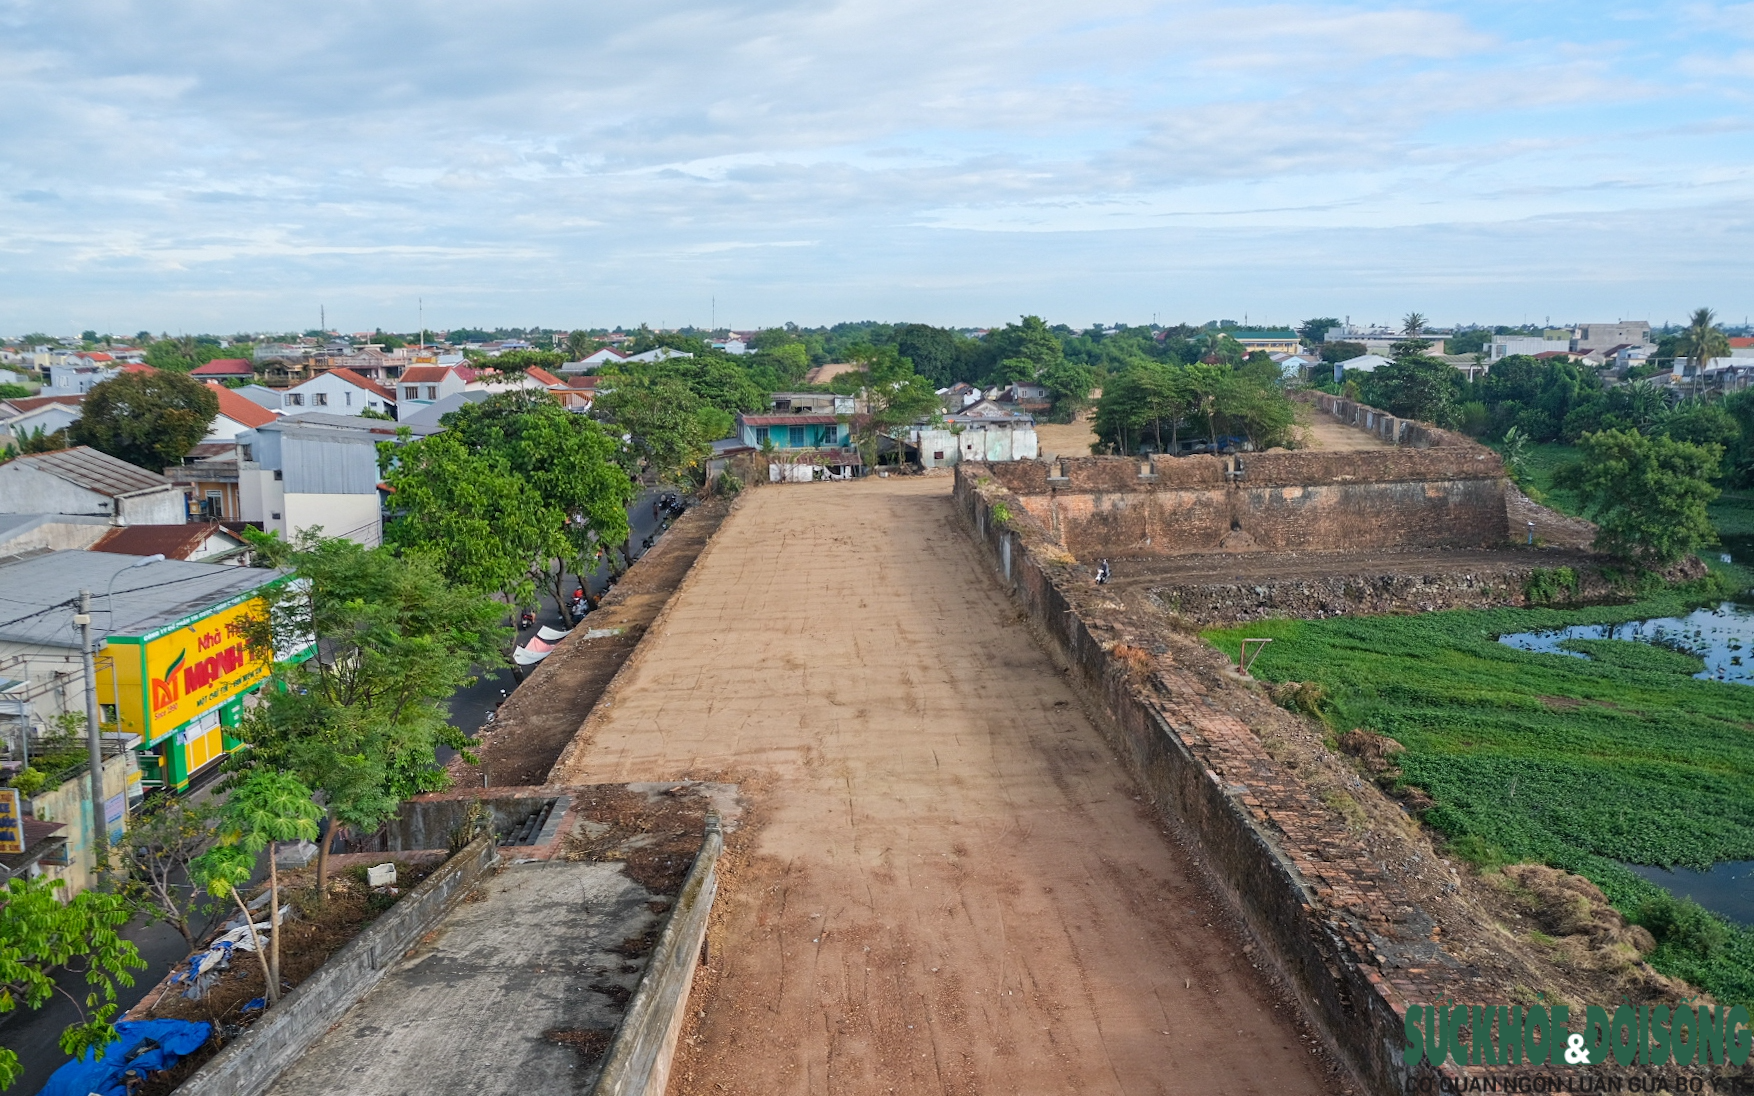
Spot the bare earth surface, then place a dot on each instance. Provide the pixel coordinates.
(945, 883)
(1326, 432)
(1071, 439)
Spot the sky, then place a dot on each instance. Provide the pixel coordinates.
(217, 165)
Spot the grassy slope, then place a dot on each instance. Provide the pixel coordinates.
(1579, 764)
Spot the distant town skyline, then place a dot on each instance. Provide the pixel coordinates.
(223, 166)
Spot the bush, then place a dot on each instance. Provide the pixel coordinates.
(1683, 925)
(1546, 585)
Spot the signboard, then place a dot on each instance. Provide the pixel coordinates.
(188, 671)
(11, 822)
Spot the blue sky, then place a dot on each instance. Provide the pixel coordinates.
(212, 165)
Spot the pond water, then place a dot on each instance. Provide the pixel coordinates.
(1723, 637)
(1726, 888)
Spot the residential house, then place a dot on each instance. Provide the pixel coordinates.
(225, 369)
(236, 414)
(196, 541)
(423, 385)
(1503, 346)
(579, 394)
(22, 417)
(431, 414)
(339, 391)
(372, 362)
(69, 379)
(1609, 336)
(1367, 363)
(1294, 366)
(959, 395)
(316, 469)
(983, 431)
(812, 403)
(1274, 340)
(658, 354)
(84, 481)
(208, 479)
(802, 446)
(731, 346)
(596, 360)
(10, 376)
(262, 396)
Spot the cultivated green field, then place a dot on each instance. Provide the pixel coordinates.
(1539, 757)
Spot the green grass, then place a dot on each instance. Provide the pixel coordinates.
(1581, 764)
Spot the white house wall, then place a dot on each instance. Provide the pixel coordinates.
(356, 517)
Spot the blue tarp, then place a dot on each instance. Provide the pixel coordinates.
(143, 1046)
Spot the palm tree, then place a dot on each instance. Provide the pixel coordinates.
(1703, 340)
(1414, 325)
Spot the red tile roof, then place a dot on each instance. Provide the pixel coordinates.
(239, 410)
(544, 375)
(31, 403)
(584, 382)
(97, 356)
(225, 367)
(428, 374)
(1740, 343)
(369, 385)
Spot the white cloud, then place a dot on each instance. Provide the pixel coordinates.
(554, 158)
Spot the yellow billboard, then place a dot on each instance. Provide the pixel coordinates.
(193, 668)
(182, 673)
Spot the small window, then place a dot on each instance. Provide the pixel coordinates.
(937, 454)
(275, 515)
(349, 397)
(432, 391)
(249, 452)
(319, 399)
(795, 437)
(277, 475)
(295, 399)
(410, 392)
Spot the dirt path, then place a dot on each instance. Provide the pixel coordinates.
(946, 883)
(1327, 432)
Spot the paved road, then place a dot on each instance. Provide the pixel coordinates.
(946, 882)
(470, 705)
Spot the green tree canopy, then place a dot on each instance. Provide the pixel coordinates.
(668, 430)
(1703, 340)
(42, 936)
(149, 419)
(894, 396)
(361, 722)
(1647, 495)
(1414, 386)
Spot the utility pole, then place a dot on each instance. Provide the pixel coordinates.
(94, 738)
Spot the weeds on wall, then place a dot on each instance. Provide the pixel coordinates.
(1582, 765)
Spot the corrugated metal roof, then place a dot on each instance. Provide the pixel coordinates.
(789, 420)
(85, 467)
(41, 593)
(170, 541)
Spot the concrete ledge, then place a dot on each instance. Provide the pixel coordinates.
(249, 1064)
(639, 1060)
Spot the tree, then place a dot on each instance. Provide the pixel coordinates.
(40, 936)
(1413, 325)
(894, 395)
(1068, 384)
(265, 807)
(361, 722)
(1702, 340)
(666, 434)
(1313, 332)
(155, 855)
(1414, 386)
(1021, 351)
(476, 520)
(10, 391)
(580, 345)
(1647, 495)
(936, 353)
(388, 342)
(147, 419)
(568, 460)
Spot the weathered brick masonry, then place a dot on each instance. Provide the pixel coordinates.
(1446, 496)
(1354, 946)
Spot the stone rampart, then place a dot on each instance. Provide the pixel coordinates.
(1355, 949)
(1448, 496)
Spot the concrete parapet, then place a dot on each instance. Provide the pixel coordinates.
(639, 1060)
(249, 1064)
